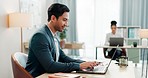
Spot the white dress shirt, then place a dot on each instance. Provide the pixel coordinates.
(56, 44)
(108, 35)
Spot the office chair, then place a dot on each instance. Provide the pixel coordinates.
(123, 52)
(19, 60)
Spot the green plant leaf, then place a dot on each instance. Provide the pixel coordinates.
(63, 34)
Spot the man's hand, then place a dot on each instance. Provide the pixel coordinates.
(90, 65)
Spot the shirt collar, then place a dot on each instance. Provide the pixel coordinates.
(52, 32)
(113, 34)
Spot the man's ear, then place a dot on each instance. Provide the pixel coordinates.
(53, 18)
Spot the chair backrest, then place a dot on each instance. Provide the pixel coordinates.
(19, 60)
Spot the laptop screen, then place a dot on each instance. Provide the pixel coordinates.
(114, 41)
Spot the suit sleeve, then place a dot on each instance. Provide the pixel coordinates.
(42, 50)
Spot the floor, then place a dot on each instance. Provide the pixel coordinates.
(138, 71)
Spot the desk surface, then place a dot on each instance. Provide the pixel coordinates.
(127, 46)
(114, 71)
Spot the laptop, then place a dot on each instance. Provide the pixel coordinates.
(114, 41)
(100, 69)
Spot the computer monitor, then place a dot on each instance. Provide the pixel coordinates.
(114, 41)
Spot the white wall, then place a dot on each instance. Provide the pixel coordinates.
(10, 37)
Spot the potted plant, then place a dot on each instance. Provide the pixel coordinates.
(63, 38)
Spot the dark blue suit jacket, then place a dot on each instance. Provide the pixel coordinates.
(42, 53)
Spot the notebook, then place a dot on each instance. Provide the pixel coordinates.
(100, 69)
(114, 41)
(63, 75)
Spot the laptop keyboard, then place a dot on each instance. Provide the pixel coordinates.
(99, 68)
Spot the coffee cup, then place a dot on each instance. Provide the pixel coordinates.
(123, 61)
(135, 44)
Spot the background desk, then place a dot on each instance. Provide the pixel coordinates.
(114, 71)
(127, 47)
(68, 45)
(144, 56)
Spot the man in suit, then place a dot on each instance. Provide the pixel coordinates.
(45, 54)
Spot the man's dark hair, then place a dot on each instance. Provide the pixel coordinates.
(113, 23)
(57, 10)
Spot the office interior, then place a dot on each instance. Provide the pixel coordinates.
(89, 21)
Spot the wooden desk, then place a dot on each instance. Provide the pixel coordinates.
(68, 45)
(114, 71)
(26, 45)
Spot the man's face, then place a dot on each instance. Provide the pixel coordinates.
(61, 22)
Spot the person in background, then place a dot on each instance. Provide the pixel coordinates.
(113, 33)
(45, 54)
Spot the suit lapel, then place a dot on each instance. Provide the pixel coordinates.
(52, 41)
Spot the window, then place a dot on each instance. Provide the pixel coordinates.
(93, 22)
(33, 7)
